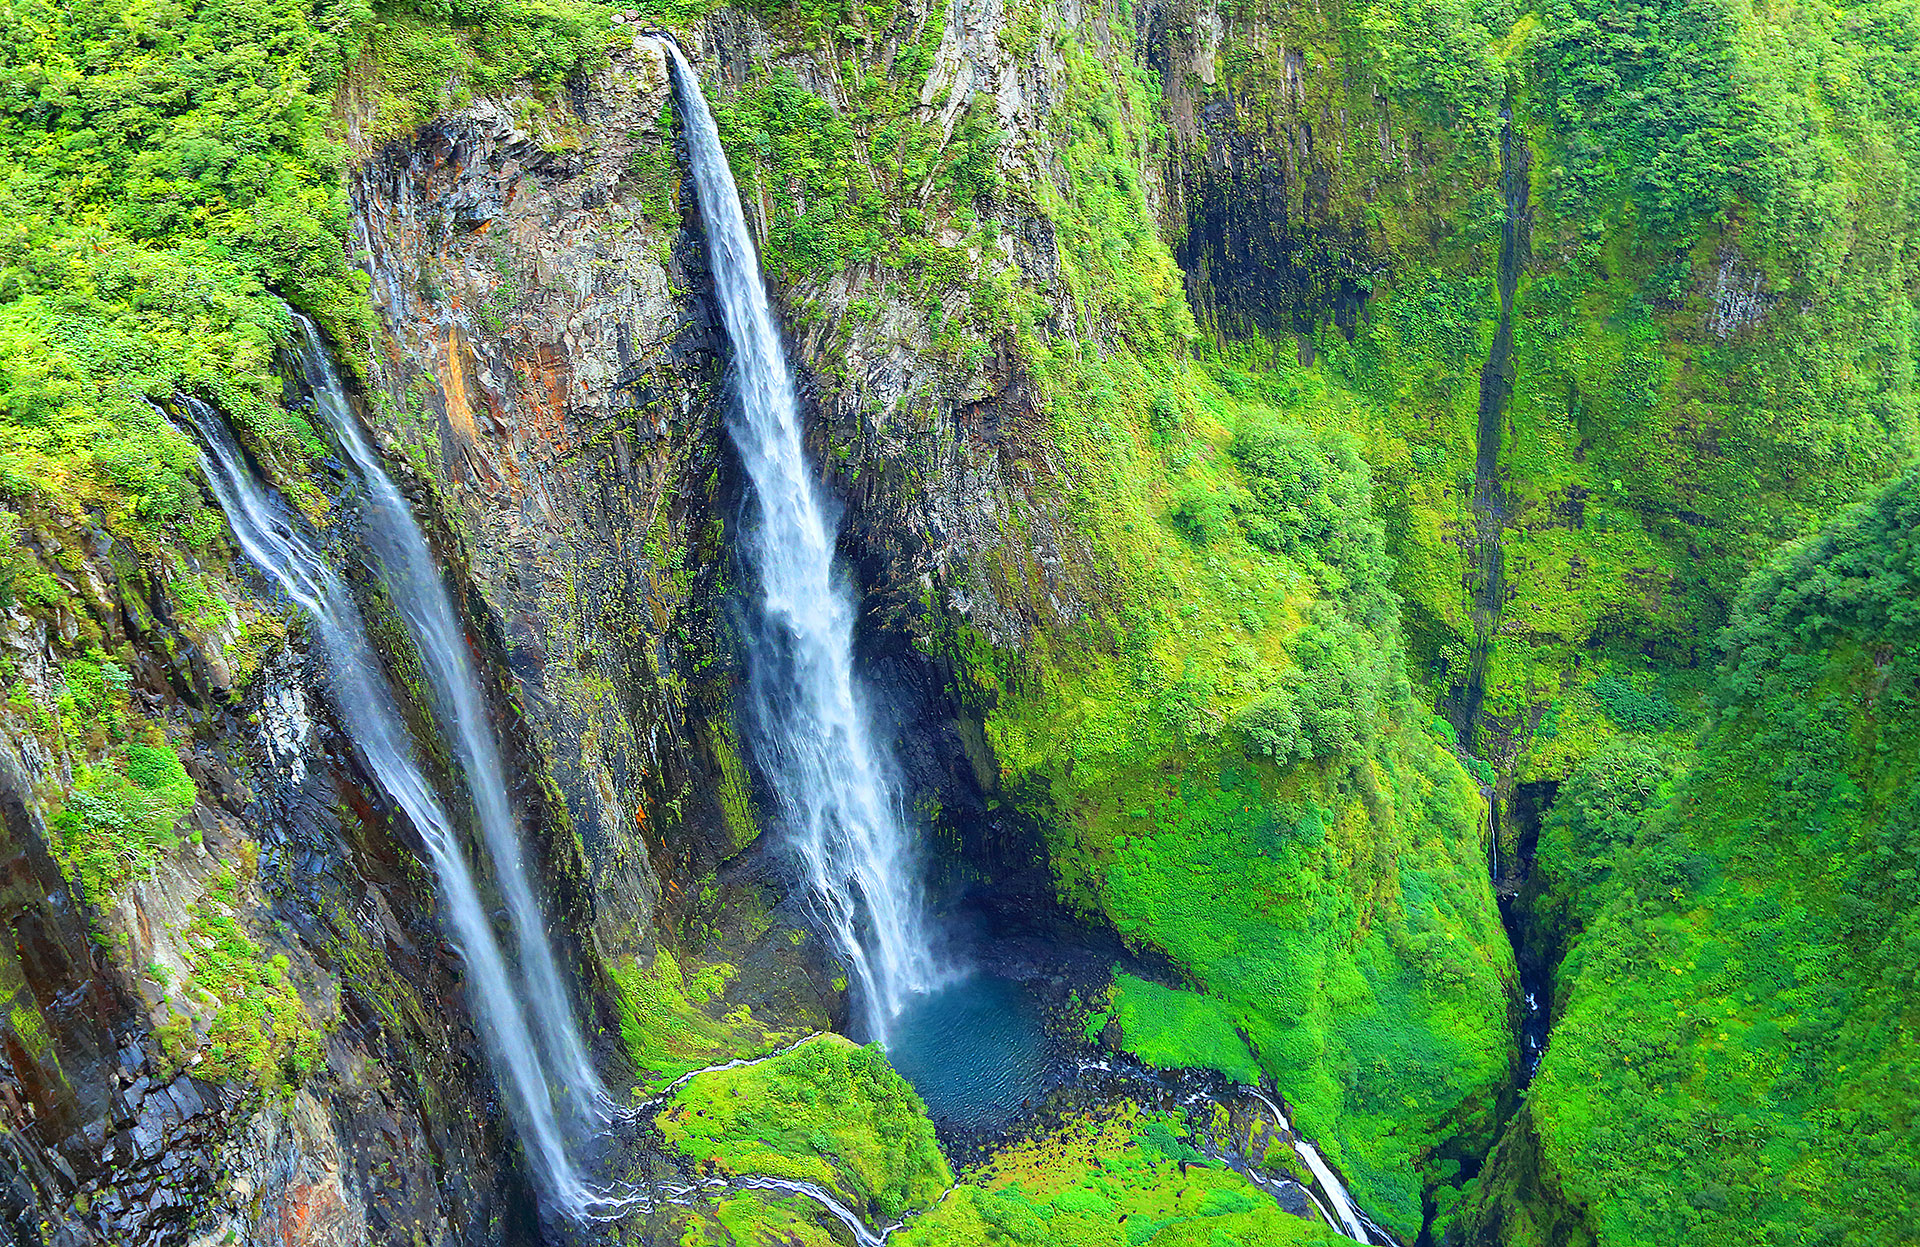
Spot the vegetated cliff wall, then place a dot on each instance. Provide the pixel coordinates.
(997, 352)
(1159, 591)
(1737, 926)
(229, 1006)
(1334, 187)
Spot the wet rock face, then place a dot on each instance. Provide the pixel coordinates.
(1268, 176)
(554, 392)
(112, 1134)
(551, 390)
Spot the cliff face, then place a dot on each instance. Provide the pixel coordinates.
(259, 1031)
(1144, 347)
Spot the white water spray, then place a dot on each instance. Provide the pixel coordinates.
(270, 535)
(413, 581)
(835, 785)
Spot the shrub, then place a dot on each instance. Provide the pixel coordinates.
(113, 826)
(1312, 498)
(1201, 513)
(1269, 727)
(1632, 708)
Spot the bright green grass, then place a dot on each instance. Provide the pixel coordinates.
(1122, 1180)
(672, 1024)
(827, 1112)
(1165, 1026)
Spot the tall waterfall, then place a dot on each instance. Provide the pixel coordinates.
(836, 786)
(413, 581)
(269, 532)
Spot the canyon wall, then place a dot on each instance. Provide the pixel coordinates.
(1144, 346)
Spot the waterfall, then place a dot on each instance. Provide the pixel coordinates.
(835, 785)
(413, 581)
(1351, 1222)
(269, 533)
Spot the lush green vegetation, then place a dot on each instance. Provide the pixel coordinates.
(1227, 734)
(1731, 1063)
(1168, 1027)
(669, 1025)
(828, 1112)
(114, 824)
(757, 1219)
(173, 176)
(1120, 1179)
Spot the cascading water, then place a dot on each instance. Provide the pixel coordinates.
(270, 535)
(412, 579)
(1351, 1223)
(835, 785)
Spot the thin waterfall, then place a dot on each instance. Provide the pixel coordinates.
(835, 785)
(1351, 1222)
(413, 581)
(270, 535)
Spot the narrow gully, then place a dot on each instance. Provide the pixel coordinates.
(1496, 391)
(1505, 854)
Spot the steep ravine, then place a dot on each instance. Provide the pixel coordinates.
(546, 383)
(1511, 845)
(1496, 391)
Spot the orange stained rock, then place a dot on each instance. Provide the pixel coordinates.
(312, 1213)
(459, 415)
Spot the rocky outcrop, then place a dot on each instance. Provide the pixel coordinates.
(126, 1113)
(551, 380)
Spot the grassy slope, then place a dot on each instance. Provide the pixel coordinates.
(1117, 1181)
(827, 1112)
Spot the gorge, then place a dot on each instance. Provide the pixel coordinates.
(995, 623)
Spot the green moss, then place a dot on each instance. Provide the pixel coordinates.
(735, 789)
(1167, 1027)
(669, 1022)
(753, 1219)
(29, 1028)
(827, 1112)
(1123, 1179)
(259, 1032)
